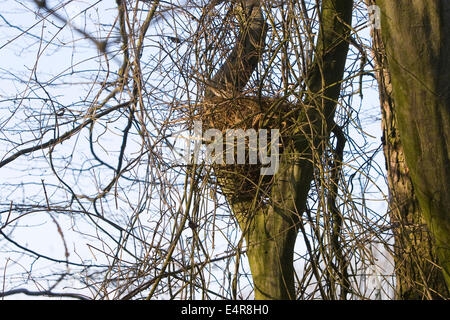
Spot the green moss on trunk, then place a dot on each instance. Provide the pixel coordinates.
(270, 230)
(416, 268)
(417, 38)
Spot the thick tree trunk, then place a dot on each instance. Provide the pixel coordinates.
(270, 229)
(417, 274)
(271, 233)
(416, 34)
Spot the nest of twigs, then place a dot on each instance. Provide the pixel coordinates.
(243, 182)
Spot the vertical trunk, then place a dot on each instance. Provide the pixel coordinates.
(271, 242)
(417, 274)
(417, 39)
(270, 230)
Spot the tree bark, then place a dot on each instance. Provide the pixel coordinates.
(417, 274)
(416, 34)
(270, 230)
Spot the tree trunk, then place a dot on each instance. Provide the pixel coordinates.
(270, 228)
(271, 233)
(417, 274)
(416, 34)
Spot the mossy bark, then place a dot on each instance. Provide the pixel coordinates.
(270, 229)
(416, 34)
(271, 232)
(416, 267)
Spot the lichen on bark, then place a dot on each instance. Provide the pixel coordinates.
(417, 39)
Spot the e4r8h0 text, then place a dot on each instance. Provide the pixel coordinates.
(242, 309)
